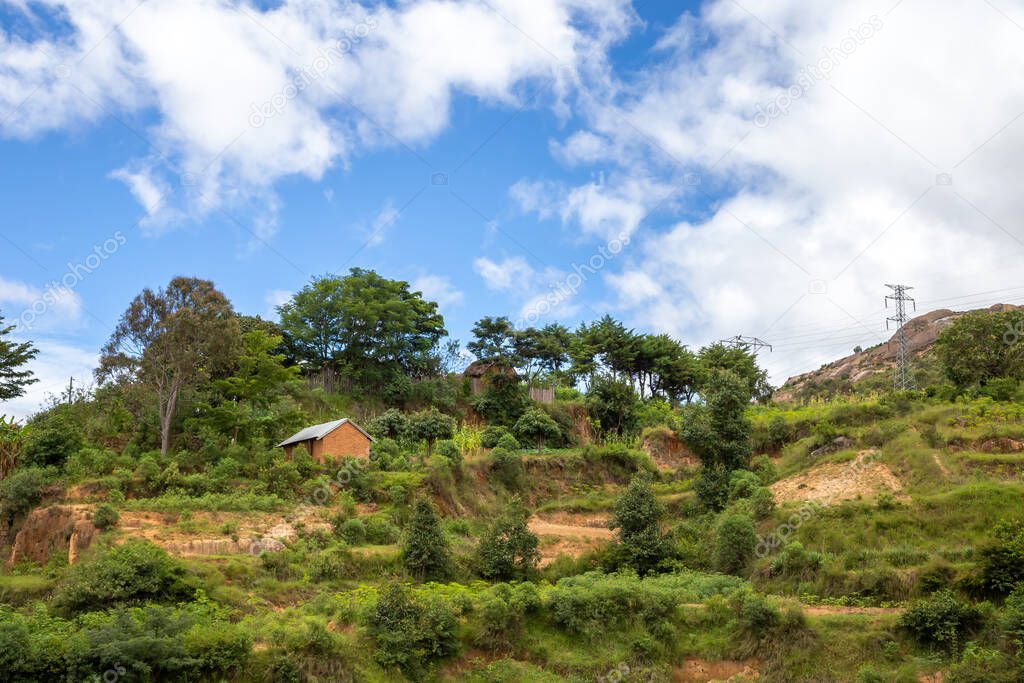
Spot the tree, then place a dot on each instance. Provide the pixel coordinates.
(494, 340)
(372, 328)
(425, 551)
(392, 424)
(431, 425)
(536, 426)
(169, 339)
(258, 381)
(739, 361)
(614, 405)
(638, 518)
(508, 550)
(736, 541)
(13, 357)
(981, 346)
(503, 401)
(718, 432)
(411, 633)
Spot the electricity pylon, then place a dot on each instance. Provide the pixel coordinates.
(752, 344)
(902, 379)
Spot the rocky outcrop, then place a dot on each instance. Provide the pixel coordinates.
(921, 331)
(223, 546)
(56, 528)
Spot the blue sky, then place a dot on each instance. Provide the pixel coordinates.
(752, 169)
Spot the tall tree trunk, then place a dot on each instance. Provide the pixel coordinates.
(166, 413)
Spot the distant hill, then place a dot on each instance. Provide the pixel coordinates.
(869, 365)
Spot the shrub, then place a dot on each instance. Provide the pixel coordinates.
(712, 487)
(765, 469)
(133, 573)
(448, 449)
(380, 530)
(940, 621)
(735, 543)
(508, 442)
(742, 484)
(614, 406)
(507, 467)
(332, 564)
(536, 427)
(508, 550)
(105, 516)
(638, 518)
(425, 551)
(51, 444)
(755, 614)
(1002, 559)
(21, 490)
(391, 424)
(353, 531)
(489, 437)
(411, 633)
(431, 425)
(795, 561)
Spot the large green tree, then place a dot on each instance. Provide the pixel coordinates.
(981, 346)
(369, 327)
(170, 339)
(637, 517)
(508, 550)
(14, 356)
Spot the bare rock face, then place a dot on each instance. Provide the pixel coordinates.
(57, 528)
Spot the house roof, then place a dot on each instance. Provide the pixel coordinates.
(317, 432)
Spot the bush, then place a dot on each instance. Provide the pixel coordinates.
(51, 445)
(508, 550)
(712, 487)
(425, 551)
(796, 562)
(411, 634)
(489, 437)
(536, 427)
(940, 621)
(638, 516)
(22, 489)
(735, 543)
(448, 449)
(391, 424)
(133, 573)
(353, 531)
(765, 469)
(380, 530)
(742, 484)
(105, 516)
(332, 564)
(508, 442)
(1002, 559)
(507, 467)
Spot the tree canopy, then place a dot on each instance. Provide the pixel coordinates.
(14, 356)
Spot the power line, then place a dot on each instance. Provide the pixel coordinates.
(902, 377)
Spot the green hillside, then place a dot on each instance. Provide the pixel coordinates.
(660, 520)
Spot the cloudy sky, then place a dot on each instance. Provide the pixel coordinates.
(706, 169)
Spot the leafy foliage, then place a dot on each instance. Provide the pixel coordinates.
(13, 358)
(411, 633)
(637, 517)
(425, 551)
(535, 426)
(508, 549)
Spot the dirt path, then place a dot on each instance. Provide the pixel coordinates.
(572, 534)
(828, 610)
(942, 466)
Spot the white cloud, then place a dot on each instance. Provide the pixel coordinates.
(56, 363)
(245, 96)
(29, 307)
(810, 213)
(512, 274)
(275, 298)
(438, 288)
(382, 222)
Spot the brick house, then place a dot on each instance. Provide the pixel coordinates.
(335, 439)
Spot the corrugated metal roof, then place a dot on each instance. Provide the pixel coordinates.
(320, 431)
